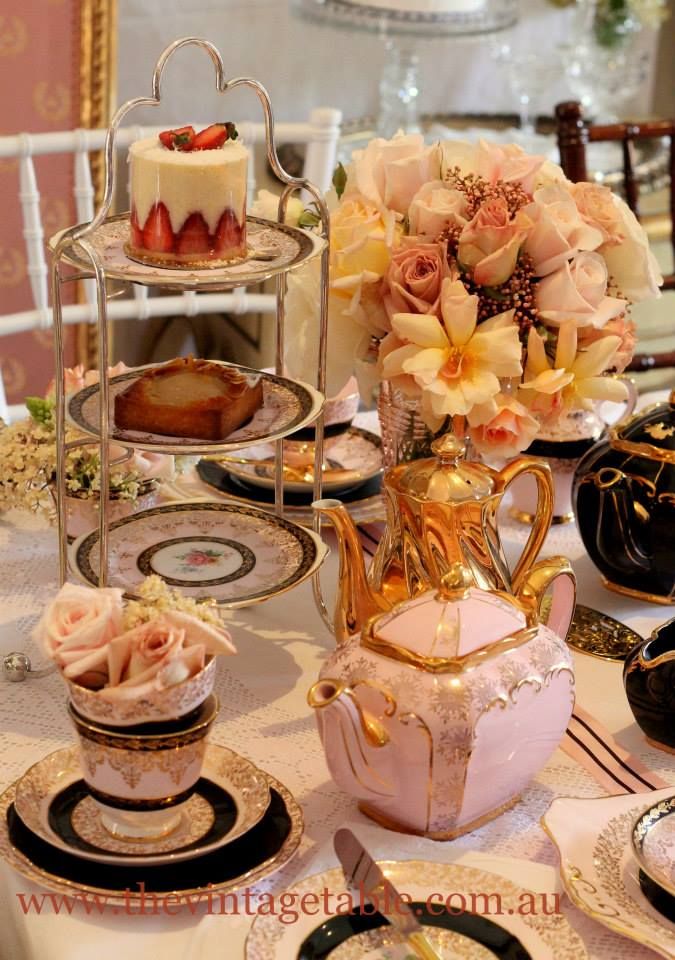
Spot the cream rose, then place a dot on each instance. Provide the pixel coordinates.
(508, 162)
(266, 205)
(388, 173)
(491, 241)
(361, 240)
(577, 292)
(596, 205)
(415, 277)
(631, 263)
(559, 230)
(434, 207)
(77, 625)
(502, 427)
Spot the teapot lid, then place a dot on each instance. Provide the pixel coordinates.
(650, 434)
(446, 477)
(448, 630)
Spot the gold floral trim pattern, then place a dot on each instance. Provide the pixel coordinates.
(133, 766)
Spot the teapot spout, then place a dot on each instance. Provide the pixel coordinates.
(355, 601)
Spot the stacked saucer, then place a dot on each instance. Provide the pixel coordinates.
(653, 840)
(238, 826)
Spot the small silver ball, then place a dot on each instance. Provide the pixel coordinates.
(16, 666)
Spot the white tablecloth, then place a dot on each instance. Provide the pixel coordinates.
(264, 715)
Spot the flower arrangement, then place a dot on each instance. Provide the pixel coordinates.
(128, 651)
(489, 287)
(28, 457)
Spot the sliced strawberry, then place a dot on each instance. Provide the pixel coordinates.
(157, 232)
(136, 232)
(212, 137)
(228, 232)
(180, 139)
(194, 236)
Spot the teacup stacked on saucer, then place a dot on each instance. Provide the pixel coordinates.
(142, 789)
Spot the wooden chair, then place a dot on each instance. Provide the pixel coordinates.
(320, 133)
(573, 135)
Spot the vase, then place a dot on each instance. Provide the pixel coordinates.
(405, 435)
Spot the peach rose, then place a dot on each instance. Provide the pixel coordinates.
(76, 378)
(434, 207)
(621, 327)
(596, 205)
(631, 263)
(77, 625)
(559, 230)
(388, 173)
(508, 162)
(502, 427)
(577, 292)
(491, 241)
(415, 277)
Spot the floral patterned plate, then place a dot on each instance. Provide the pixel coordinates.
(53, 802)
(232, 554)
(598, 869)
(653, 838)
(288, 405)
(475, 928)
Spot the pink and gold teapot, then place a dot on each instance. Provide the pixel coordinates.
(442, 709)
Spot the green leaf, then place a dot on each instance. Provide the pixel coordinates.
(340, 180)
(308, 219)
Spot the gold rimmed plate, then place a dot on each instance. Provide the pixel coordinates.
(653, 839)
(54, 803)
(288, 405)
(226, 552)
(273, 248)
(256, 854)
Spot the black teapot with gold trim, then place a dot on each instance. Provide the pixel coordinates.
(624, 501)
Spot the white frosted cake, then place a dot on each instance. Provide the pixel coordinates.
(188, 197)
(421, 6)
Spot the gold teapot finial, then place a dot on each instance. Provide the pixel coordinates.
(455, 583)
(448, 448)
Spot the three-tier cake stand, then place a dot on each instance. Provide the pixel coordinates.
(222, 551)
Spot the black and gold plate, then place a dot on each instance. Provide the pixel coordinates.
(600, 635)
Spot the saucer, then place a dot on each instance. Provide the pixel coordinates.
(232, 554)
(254, 855)
(599, 872)
(653, 839)
(54, 803)
(480, 933)
(288, 405)
(351, 460)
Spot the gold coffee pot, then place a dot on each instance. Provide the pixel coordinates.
(440, 511)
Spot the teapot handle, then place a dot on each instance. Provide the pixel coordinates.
(630, 401)
(544, 513)
(554, 574)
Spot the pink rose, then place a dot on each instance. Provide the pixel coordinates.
(390, 172)
(434, 207)
(77, 625)
(76, 378)
(621, 327)
(559, 230)
(596, 205)
(508, 162)
(491, 241)
(577, 291)
(91, 376)
(502, 427)
(414, 279)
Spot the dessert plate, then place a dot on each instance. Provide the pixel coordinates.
(274, 248)
(598, 869)
(54, 803)
(364, 502)
(350, 460)
(232, 554)
(653, 839)
(287, 405)
(508, 933)
(254, 855)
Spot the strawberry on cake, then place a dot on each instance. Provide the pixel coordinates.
(188, 197)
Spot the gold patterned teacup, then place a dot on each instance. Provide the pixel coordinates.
(141, 776)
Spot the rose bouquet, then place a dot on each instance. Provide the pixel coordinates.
(128, 652)
(28, 458)
(486, 286)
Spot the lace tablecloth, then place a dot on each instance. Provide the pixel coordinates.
(264, 715)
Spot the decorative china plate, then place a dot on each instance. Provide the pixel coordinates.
(287, 406)
(233, 554)
(365, 503)
(54, 803)
(274, 248)
(653, 839)
(350, 459)
(256, 854)
(598, 869)
(469, 934)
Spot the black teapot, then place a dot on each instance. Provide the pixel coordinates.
(624, 500)
(649, 679)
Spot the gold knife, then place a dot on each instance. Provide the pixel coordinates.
(362, 873)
